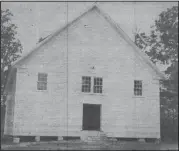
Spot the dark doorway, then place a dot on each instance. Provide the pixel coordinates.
(91, 116)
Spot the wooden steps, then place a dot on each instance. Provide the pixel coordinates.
(94, 136)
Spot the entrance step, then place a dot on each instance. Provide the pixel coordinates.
(93, 136)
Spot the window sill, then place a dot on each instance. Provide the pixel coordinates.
(138, 96)
(41, 90)
(96, 94)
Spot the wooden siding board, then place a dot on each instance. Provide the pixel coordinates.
(45, 110)
(118, 64)
(10, 105)
(123, 114)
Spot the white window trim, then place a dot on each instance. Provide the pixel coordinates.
(42, 81)
(85, 84)
(138, 96)
(92, 84)
(97, 85)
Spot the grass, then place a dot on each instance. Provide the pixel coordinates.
(77, 145)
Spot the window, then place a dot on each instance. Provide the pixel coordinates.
(42, 81)
(137, 88)
(86, 84)
(98, 84)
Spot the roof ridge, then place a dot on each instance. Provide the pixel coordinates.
(143, 56)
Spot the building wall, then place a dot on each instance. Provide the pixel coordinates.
(42, 112)
(91, 42)
(10, 104)
(123, 115)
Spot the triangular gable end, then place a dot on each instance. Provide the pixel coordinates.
(141, 54)
(49, 37)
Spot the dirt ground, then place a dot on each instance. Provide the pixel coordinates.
(92, 146)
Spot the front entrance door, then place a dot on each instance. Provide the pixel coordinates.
(91, 116)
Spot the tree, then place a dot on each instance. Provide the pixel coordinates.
(11, 47)
(163, 39)
(163, 48)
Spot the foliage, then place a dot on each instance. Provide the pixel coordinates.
(163, 44)
(10, 45)
(163, 38)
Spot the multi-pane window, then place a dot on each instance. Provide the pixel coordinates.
(98, 84)
(42, 81)
(86, 84)
(137, 88)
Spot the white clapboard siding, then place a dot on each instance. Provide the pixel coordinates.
(92, 42)
(10, 105)
(45, 112)
(123, 115)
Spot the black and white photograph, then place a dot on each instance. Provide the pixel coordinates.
(89, 75)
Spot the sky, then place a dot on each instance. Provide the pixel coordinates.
(39, 19)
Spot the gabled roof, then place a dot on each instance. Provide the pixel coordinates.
(49, 37)
(141, 54)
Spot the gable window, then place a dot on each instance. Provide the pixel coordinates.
(137, 87)
(86, 84)
(42, 81)
(98, 84)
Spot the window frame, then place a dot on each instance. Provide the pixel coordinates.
(97, 85)
(86, 86)
(92, 85)
(42, 81)
(138, 88)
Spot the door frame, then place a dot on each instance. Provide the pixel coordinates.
(100, 116)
